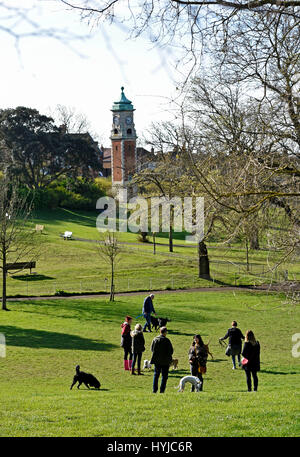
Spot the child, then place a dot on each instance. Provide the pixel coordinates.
(126, 342)
(138, 347)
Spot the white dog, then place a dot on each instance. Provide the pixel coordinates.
(147, 365)
(193, 380)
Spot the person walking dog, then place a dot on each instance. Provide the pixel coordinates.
(148, 308)
(251, 361)
(198, 358)
(162, 351)
(138, 347)
(234, 347)
(126, 342)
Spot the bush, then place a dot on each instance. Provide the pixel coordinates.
(61, 293)
(67, 193)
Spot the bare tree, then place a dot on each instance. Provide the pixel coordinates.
(72, 121)
(18, 241)
(172, 179)
(231, 154)
(109, 250)
(20, 21)
(186, 24)
(164, 180)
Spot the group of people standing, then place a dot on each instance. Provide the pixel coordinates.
(133, 343)
(250, 353)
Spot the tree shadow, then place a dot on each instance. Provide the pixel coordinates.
(32, 338)
(72, 307)
(218, 282)
(67, 216)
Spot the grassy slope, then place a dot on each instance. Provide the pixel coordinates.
(75, 266)
(46, 339)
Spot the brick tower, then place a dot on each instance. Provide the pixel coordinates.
(123, 142)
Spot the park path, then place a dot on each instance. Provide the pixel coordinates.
(143, 292)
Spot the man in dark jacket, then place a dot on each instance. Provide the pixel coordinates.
(234, 344)
(162, 351)
(148, 308)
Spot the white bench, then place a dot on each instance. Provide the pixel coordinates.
(67, 235)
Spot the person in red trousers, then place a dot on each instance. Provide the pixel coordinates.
(126, 342)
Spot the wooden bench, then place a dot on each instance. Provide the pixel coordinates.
(20, 266)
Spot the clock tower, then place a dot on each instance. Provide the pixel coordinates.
(123, 142)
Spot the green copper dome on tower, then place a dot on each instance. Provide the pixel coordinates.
(123, 104)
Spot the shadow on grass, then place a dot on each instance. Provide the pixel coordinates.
(91, 389)
(31, 278)
(77, 308)
(32, 338)
(217, 282)
(278, 372)
(176, 332)
(56, 217)
(179, 373)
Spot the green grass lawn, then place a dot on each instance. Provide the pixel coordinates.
(75, 266)
(46, 339)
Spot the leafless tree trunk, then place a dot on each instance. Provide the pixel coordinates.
(18, 241)
(203, 261)
(109, 250)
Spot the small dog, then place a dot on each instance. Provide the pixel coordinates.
(193, 380)
(207, 349)
(174, 363)
(86, 378)
(162, 321)
(154, 322)
(147, 365)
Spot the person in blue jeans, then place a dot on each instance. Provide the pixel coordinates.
(148, 308)
(162, 351)
(234, 343)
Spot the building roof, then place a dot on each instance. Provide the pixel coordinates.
(123, 104)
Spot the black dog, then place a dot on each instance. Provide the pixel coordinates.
(162, 321)
(154, 322)
(86, 378)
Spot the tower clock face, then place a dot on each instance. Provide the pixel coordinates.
(116, 120)
(128, 120)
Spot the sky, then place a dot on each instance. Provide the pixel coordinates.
(87, 74)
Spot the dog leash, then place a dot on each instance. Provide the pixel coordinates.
(139, 315)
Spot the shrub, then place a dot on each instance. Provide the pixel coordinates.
(67, 193)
